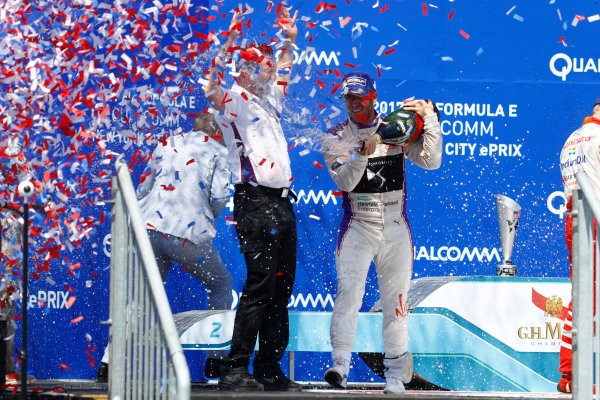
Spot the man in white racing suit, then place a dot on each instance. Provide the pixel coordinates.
(581, 152)
(375, 225)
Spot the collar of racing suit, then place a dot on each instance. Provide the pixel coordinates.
(591, 120)
(364, 126)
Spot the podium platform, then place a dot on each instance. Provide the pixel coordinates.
(466, 333)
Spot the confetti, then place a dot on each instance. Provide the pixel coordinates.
(465, 34)
(314, 217)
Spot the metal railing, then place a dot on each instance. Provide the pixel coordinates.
(585, 207)
(146, 358)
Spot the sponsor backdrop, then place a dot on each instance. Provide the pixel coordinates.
(511, 82)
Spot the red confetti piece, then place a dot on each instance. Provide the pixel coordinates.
(384, 8)
(69, 288)
(562, 39)
(336, 88)
(190, 162)
(580, 17)
(311, 25)
(70, 301)
(76, 320)
(35, 276)
(229, 218)
(345, 21)
(74, 266)
(321, 84)
(16, 317)
(390, 51)
(465, 34)
(262, 161)
(349, 65)
(63, 367)
(317, 164)
(336, 193)
(91, 359)
(424, 8)
(451, 15)
(278, 9)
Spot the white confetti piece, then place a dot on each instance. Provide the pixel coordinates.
(354, 52)
(402, 27)
(518, 18)
(314, 217)
(446, 58)
(312, 92)
(594, 18)
(574, 22)
(335, 113)
(479, 51)
(381, 49)
(511, 10)
(304, 152)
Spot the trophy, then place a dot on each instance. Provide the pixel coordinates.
(508, 219)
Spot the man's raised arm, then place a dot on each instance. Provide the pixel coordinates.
(290, 29)
(213, 89)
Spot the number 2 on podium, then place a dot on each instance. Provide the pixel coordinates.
(217, 326)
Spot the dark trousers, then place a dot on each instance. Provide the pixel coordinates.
(266, 228)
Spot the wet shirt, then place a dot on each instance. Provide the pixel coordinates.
(188, 187)
(257, 148)
(581, 152)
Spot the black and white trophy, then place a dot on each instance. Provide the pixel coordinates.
(508, 219)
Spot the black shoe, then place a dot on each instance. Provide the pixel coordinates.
(102, 373)
(238, 379)
(212, 368)
(275, 380)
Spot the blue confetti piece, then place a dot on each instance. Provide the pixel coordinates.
(256, 119)
(191, 224)
(273, 231)
(202, 185)
(177, 176)
(245, 172)
(200, 261)
(159, 214)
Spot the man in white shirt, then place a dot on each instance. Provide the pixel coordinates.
(581, 152)
(265, 220)
(180, 200)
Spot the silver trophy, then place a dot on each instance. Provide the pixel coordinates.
(508, 219)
